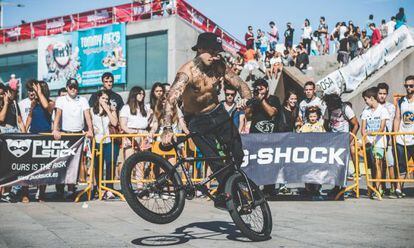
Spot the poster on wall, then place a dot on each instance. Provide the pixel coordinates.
(100, 50)
(56, 60)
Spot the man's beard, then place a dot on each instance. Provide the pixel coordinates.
(198, 62)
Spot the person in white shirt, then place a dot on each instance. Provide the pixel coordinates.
(71, 112)
(383, 89)
(25, 104)
(310, 100)
(374, 118)
(391, 26)
(404, 123)
(307, 35)
(104, 116)
(134, 119)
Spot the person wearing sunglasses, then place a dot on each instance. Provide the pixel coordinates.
(229, 103)
(404, 122)
(249, 38)
(71, 112)
(197, 86)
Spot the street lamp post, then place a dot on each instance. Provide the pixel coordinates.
(2, 4)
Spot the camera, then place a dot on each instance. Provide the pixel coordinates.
(256, 91)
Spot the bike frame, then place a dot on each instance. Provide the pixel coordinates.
(201, 185)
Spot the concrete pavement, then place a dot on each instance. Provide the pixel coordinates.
(351, 223)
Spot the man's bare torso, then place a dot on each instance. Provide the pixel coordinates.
(201, 93)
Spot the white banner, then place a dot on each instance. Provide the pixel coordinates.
(351, 76)
(333, 83)
(56, 63)
(355, 74)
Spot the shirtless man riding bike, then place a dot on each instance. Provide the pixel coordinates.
(197, 86)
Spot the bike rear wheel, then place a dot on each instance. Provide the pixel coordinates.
(150, 190)
(253, 218)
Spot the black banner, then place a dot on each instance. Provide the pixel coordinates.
(320, 158)
(31, 159)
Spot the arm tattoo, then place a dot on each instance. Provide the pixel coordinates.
(175, 93)
(234, 80)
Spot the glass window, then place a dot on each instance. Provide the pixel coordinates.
(157, 59)
(147, 60)
(136, 62)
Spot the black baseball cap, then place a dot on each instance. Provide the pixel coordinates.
(209, 41)
(72, 82)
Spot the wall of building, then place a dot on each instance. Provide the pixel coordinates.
(180, 38)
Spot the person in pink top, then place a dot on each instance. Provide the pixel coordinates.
(376, 35)
(273, 35)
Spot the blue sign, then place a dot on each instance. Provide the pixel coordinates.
(100, 50)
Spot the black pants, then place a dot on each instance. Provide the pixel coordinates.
(216, 126)
(307, 44)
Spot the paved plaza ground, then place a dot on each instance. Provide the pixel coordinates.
(350, 223)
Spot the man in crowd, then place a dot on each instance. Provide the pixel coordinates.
(289, 36)
(391, 26)
(404, 122)
(376, 35)
(374, 118)
(322, 31)
(389, 157)
(249, 38)
(310, 100)
(264, 116)
(239, 118)
(71, 112)
(114, 98)
(196, 85)
(273, 35)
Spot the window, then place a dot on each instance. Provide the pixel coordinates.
(147, 60)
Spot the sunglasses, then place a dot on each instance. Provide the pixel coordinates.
(72, 87)
(228, 94)
(409, 86)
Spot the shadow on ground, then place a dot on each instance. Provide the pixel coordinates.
(199, 230)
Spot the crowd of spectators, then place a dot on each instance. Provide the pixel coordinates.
(106, 113)
(345, 39)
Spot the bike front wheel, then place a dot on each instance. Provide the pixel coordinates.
(151, 189)
(251, 216)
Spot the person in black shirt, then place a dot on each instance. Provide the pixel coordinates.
(114, 98)
(343, 52)
(302, 59)
(289, 36)
(289, 113)
(264, 115)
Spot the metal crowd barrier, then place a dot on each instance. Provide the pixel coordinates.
(189, 148)
(354, 187)
(409, 164)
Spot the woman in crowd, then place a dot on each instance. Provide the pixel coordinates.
(289, 113)
(401, 18)
(157, 91)
(134, 119)
(103, 118)
(307, 36)
(39, 120)
(10, 122)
